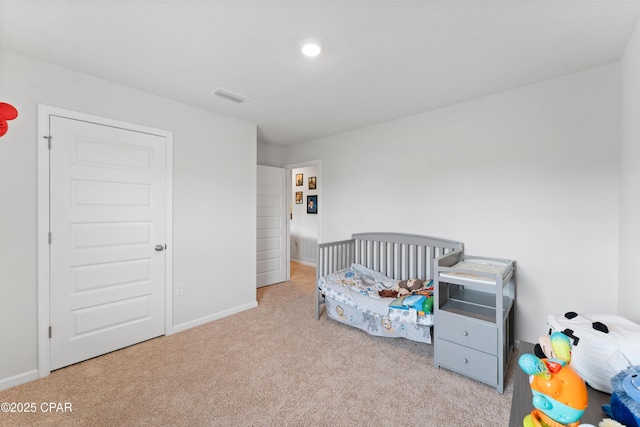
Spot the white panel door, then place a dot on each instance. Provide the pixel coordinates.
(272, 260)
(107, 214)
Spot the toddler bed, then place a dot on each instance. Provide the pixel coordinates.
(351, 273)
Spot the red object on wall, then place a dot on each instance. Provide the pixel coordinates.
(7, 112)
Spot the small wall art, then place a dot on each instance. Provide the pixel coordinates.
(312, 204)
(298, 197)
(312, 183)
(299, 179)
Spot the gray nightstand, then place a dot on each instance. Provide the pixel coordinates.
(474, 314)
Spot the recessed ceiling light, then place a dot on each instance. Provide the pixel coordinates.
(311, 48)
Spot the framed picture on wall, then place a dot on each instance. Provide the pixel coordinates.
(298, 197)
(299, 179)
(312, 204)
(312, 183)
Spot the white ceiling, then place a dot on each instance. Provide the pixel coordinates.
(382, 59)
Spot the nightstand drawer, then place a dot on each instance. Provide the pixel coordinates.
(467, 361)
(466, 331)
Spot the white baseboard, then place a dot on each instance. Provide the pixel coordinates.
(15, 380)
(25, 377)
(310, 264)
(206, 319)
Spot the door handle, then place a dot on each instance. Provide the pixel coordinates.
(160, 248)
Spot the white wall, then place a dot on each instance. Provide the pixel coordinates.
(630, 180)
(270, 155)
(214, 261)
(529, 174)
(304, 226)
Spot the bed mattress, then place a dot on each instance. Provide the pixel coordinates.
(351, 297)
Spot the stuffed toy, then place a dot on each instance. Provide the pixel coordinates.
(7, 112)
(388, 293)
(405, 287)
(603, 345)
(625, 399)
(559, 394)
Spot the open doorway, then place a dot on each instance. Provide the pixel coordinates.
(304, 212)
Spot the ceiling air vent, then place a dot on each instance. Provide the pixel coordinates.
(230, 96)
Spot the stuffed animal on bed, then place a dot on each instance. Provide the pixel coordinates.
(405, 287)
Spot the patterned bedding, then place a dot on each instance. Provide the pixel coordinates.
(351, 297)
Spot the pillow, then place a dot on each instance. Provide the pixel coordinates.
(381, 281)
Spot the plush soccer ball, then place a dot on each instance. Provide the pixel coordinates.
(603, 345)
(405, 287)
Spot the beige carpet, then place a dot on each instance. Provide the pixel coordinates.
(272, 365)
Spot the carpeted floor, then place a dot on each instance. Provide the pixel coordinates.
(274, 365)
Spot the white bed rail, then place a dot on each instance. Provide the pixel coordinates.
(396, 255)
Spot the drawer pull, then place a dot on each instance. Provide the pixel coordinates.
(465, 333)
(465, 360)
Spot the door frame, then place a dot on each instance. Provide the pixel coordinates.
(289, 167)
(43, 214)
